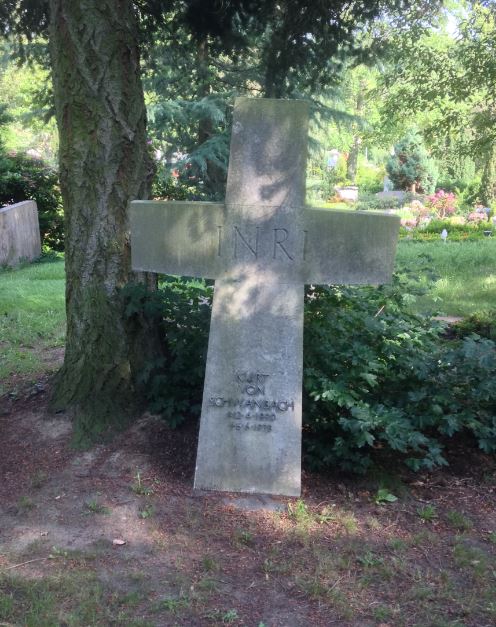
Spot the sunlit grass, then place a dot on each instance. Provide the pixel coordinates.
(32, 316)
(467, 272)
(32, 312)
(332, 205)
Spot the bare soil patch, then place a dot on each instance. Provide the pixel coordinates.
(334, 557)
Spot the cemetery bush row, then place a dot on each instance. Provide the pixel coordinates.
(456, 232)
(377, 377)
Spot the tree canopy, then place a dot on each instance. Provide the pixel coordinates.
(194, 54)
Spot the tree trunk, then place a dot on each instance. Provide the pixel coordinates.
(488, 181)
(352, 163)
(104, 164)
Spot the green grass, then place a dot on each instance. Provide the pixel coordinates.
(32, 312)
(467, 272)
(332, 205)
(32, 317)
(75, 599)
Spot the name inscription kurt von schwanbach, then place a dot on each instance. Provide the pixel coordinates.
(251, 411)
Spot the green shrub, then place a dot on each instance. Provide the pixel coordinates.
(410, 167)
(23, 178)
(173, 382)
(482, 323)
(389, 381)
(324, 187)
(370, 202)
(456, 232)
(370, 178)
(470, 194)
(377, 377)
(167, 187)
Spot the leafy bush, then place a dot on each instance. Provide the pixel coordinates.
(482, 323)
(457, 232)
(324, 189)
(367, 202)
(377, 377)
(173, 382)
(370, 178)
(23, 178)
(443, 204)
(410, 167)
(470, 193)
(165, 186)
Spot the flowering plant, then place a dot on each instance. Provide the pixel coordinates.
(476, 216)
(420, 212)
(442, 203)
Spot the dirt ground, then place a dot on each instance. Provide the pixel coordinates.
(115, 536)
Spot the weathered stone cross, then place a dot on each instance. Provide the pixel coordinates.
(261, 246)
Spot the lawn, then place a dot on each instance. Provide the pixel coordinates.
(467, 274)
(32, 322)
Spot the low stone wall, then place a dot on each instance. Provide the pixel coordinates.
(19, 233)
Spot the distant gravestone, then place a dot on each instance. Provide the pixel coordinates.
(261, 246)
(19, 233)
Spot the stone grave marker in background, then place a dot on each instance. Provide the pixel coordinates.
(19, 233)
(261, 246)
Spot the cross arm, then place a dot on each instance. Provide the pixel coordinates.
(176, 237)
(349, 247)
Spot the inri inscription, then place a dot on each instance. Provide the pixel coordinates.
(261, 246)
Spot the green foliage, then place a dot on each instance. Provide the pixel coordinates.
(167, 187)
(32, 319)
(23, 178)
(411, 168)
(470, 193)
(377, 376)
(371, 202)
(370, 179)
(427, 513)
(470, 231)
(355, 340)
(323, 188)
(384, 496)
(482, 323)
(459, 521)
(173, 383)
(196, 131)
(94, 507)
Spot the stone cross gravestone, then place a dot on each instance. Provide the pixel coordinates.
(261, 246)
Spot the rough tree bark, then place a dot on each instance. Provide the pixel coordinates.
(103, 165)
(352, 163)
(488, 182)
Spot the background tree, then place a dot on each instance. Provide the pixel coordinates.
(446, 82)
(295, 47)
(410, 167)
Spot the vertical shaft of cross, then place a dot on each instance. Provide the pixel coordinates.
(252, 392)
